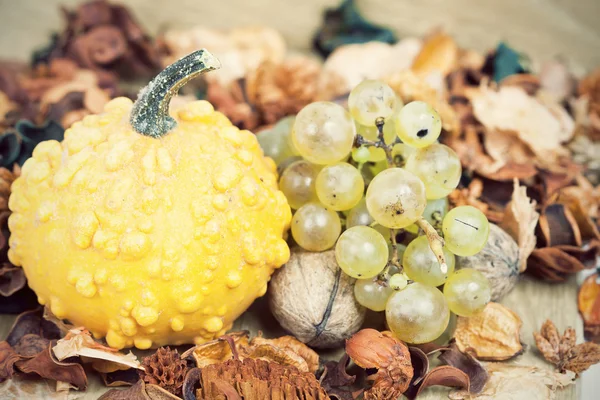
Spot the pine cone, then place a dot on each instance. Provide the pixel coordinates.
(166, 369)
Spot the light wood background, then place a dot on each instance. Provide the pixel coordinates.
(541, 28)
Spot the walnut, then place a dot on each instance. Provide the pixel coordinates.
(166, 369)
(314, 300)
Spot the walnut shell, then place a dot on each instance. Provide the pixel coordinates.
(314, 300)
(498, 261)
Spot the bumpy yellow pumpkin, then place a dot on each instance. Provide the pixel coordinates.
(149, 229)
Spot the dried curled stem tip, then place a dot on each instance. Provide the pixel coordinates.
(436, 243)
(150, 113)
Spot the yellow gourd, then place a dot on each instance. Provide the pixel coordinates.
(149, 229)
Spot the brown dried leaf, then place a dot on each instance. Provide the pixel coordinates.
(565, 355)
(126, 377)
(438, 54)
(31, 322)
(444, 375)
(554, 264)
(12, 279)
(520, 220)
(369, 348)
(588, 301)
(420, 364)
(492, 334)
(47, 367)
(505, 147)
(557, 226)
(583, 206)
(476, 372)
(335, 380)
(31, 345)
(8, 358)
(581, 357)
(155, 392)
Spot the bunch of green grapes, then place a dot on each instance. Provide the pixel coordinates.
(357, 178)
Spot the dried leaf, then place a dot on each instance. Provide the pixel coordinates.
(79, 342)
(444, 375)
(554, 264)
(528, 82)
(582, 206)
(492, 334)
(47, 367)
(31, 322)
(588, 301)
(563, 352)
(12, 279)
(8, 358)
(31, 344)
(557, 226)
(515, 382)
(438, 55)
(520, 220)
(336, 381)
(126, 377)
(369, 348)
(420, 364)
(155, 392)
(511, 109)
(135, 392)
(506, 148)
(476, 372)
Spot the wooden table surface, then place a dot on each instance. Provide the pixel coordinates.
(540, 28)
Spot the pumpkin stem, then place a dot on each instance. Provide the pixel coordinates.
(150, 113)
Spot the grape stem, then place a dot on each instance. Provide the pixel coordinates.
(436, 243)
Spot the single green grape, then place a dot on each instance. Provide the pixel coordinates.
(361, 154)
(323, 133)
(466, 230)
(467, 292)
(339, 186)
(359, 215)
(396, 198)
(398, 281)
(372, 294)
(298, 183)
(275, 144)
(421, 265)
(315, 228)
(286, 124)
(401, 152)
(417, 314)
(371, 99)
(434, 214)
(418, 124)
(438, 167)
(361, 252)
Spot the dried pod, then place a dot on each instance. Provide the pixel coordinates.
(369, 348)
(498, 261)
(493, 334)
(314, 300)
(589, 307)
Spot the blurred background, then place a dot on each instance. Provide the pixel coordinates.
(540, 28)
